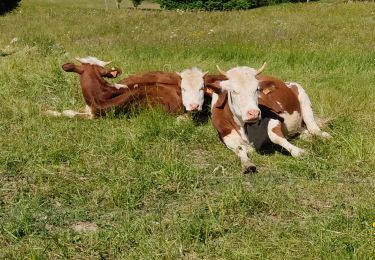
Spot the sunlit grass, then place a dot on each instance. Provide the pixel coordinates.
(157, 188)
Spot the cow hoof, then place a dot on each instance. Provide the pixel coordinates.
(249, 168)
(297, 152)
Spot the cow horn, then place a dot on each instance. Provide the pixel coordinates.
(78, 59)
(221, 71)
(261, 69)
(107, 62)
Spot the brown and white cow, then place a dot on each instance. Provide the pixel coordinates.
(171, 91)
(253, 109)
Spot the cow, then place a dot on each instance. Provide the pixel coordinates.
(253, 109)
(158, 88)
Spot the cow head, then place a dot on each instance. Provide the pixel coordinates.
(192, 88)
(243, 87)
(92, 65)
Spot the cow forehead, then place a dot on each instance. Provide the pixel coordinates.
(192, 77)
(242, 76)
(92, 60)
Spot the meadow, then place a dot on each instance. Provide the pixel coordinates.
(148, 187)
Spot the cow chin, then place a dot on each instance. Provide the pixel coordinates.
(251, 121)
(193, 110)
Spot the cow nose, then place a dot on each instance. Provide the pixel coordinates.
(253, 114)
(194, 106)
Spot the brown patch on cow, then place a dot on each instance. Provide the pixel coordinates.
(278, 130)
(148, 89)
(70, 67)
(294, 89)
(277, 96)
(222, 117)
(214, 87)
(209, 78)
(212, 84)
(222, 100)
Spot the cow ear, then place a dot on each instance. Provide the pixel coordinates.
(225, 85)
(70, 67)
(223, 97)
(214, 87)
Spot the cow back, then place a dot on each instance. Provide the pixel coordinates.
(277, 96)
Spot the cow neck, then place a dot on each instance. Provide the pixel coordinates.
(97, 91)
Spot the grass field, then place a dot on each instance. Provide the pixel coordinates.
(146, 185)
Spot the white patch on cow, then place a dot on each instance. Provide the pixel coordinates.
(93, 61)
(192, 88)
(282, 141)
(52, 113)
(88, 110)
(292, 122)
(86, 114)
(242, 87)
(215, 97)
(236, 143)
(307, 112)
(70, 113)
(118, 86)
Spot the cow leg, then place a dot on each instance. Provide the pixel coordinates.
(52, 113)
(87, 114)
(234, 142)
(276, 135)
(75, 114)
(307, 112)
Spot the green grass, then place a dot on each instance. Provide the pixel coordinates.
(148, 182)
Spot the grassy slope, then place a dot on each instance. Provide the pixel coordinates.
(148, 182)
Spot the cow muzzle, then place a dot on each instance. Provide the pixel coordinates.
(193, 107)
(252, 115)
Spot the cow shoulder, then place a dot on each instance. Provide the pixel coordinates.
(222, 117)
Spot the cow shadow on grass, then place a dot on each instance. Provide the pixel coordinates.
(201, 117)
(270, 149)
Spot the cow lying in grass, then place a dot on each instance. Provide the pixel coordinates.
(252, 109)
(167, 90)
